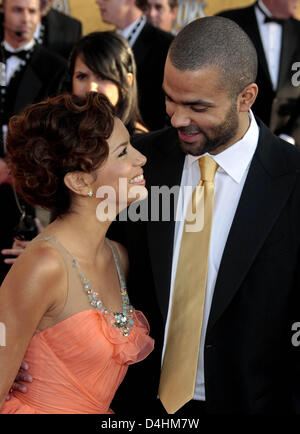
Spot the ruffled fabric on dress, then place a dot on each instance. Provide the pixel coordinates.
(78, 364)
(133, 348)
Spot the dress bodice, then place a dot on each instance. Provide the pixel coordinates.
(77, 364)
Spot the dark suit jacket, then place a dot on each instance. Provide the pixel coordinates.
(279, 109)
(251, 366)
(150, 52)
(62, 32)
(42, 77)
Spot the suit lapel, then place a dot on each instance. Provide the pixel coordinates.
(265, 193)
(28, 88)
(52, 28)
(254, 33)
(142, 44)
(287, 51)
(168, 162)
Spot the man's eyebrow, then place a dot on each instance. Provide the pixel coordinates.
(121, 145)
(194, 102)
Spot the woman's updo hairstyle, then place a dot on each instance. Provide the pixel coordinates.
(51, 138)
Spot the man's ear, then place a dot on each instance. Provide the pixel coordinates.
(79, 182)
(174, 12)
(247, 97)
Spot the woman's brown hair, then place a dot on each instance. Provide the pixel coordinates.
(49, 139)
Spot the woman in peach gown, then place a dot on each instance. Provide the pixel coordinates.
(64, 302)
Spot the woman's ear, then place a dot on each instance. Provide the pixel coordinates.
(79, 182)
(130, 78)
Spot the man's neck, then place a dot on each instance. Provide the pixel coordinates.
(24, 45)
(275, 10)
(133, 14)
(244, 124)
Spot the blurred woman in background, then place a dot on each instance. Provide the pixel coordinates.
(103, 62)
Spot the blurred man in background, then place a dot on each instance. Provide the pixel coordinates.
(276, 35)
(160, 13)
(29, 73)
(150, 46)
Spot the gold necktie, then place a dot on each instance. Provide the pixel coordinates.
(179, 370)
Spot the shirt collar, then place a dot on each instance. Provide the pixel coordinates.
(264, 8)
(236, 159)
(126, 32)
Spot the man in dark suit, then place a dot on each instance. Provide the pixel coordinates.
(150, 46)
(30, 73)
(276, 36)
(247, 362)
(58, 32)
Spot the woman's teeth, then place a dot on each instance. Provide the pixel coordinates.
(136, 179)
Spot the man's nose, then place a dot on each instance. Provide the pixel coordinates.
(179, 118)
(25, 16)
(151, 13)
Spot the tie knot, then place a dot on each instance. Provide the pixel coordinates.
(270, 19)
(23, 54)
(208, 168)
(279, 21)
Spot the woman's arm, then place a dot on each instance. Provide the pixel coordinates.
(32, 287)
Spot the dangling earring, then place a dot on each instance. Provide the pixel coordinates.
(90, 193)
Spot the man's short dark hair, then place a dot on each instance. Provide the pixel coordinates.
(173, 3)
(216, 42)
(143, 3)
(3, 3)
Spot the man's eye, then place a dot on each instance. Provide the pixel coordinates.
(124, 152)
(198, 109)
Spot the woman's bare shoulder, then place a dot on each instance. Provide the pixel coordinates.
(39, 272)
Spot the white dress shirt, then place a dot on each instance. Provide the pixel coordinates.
(13, 63)
(271, 36)
(229, 181)
(129, 29)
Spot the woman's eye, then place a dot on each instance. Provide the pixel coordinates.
(80, 76)
(124, 152)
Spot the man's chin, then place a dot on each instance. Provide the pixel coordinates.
(194, 148)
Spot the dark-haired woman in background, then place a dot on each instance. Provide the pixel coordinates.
(104, 62)
(64, 301)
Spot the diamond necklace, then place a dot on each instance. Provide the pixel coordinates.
(121, 320)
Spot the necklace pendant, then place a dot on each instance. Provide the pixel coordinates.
(121, 320)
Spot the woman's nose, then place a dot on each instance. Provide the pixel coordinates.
(93, 86)
(140, 159)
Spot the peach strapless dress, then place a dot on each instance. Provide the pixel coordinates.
(78, 364)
